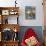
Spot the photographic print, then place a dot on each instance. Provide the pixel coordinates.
(30, 12)
(5, 12)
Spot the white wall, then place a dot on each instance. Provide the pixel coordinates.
(22, 3)
(39, 13)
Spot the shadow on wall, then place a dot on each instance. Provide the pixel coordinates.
(37, 29)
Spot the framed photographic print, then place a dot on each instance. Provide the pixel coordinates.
(5, 12)
(30, 12)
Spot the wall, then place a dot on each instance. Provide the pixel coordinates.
(39, 13)
(22, 3)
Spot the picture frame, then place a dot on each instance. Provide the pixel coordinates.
(5, 12)
(30, 12)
